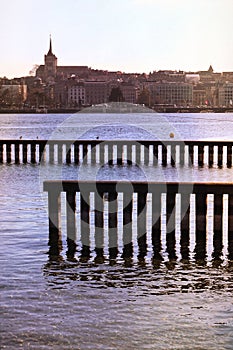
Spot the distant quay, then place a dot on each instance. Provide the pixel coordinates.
(164, 109)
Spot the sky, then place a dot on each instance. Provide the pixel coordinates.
(121, 35)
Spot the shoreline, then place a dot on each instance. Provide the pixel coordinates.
(158, 110)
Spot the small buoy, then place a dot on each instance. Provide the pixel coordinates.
(171, 135)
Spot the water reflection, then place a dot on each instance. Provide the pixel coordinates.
(152, 276)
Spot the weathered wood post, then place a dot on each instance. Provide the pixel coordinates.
(76, 153)
(1, 152)
(173, 154)
(220, 155)
(33, 152)
(119, 153)
(156, 223)
(211, 155)
(68, 153)
(25, 152)
(110, 153)
(218, 234)
(129, 153)
(85, 224)
(99, 226)
(170, 219)
(112, 224)
(71, 223)
(200, 155)
(60, 153)
(54, 212)
(146, 154)
(16, 153)
(164, 154)
(138, 153)
(182, 154)
(185, 222)
(102, 152)
(230, 226)
(155, 154)
(51, 152)
(201, 208)
(141, 221)
(85, 153)
(127, 222)
(93, 153)
(8, 153)
(229, 156)
(42, 151)
(191, 154)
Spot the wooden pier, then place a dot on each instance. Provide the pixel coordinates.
(150, 208)
(157, 152)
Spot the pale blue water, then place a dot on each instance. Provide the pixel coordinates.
(65, 305)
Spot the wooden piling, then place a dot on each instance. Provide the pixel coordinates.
(99, 225)
(71, 223)
(8, 153)
(201, 211)
(220, 156)
(191, 155)
(229, 156)
(141, 223)
(156, 224)
(170, 226)
(1, 152)
(164, 154)
(146, 154)
(25, 152)
(230, 226)
(54, 213)
(112, 225)
(185, 225)
(211, 155)
(218, 224)
(155, 154)
(33, 153)
(200, 155)
(85, 224)
(16, 153)
(127, 225)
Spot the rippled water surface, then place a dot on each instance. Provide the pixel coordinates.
(128, 304)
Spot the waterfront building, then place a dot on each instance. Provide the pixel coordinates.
(226, 95)
(96, 92)
(77, 95)
(171, 93)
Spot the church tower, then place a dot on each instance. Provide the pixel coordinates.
(50, 63)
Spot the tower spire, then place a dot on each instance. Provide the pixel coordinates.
(50, 46)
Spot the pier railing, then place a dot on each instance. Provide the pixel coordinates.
(147, 208)
(117, 152)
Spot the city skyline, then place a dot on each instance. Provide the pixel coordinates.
(125, 35)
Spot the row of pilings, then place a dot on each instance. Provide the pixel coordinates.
(128, 206)
(117, 152)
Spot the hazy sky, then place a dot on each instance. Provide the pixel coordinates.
(126, 35)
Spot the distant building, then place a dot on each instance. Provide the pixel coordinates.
(172, 93)
(77, 95)
(226, 95)
(96, 92)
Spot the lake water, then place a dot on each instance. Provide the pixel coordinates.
(85, 305)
